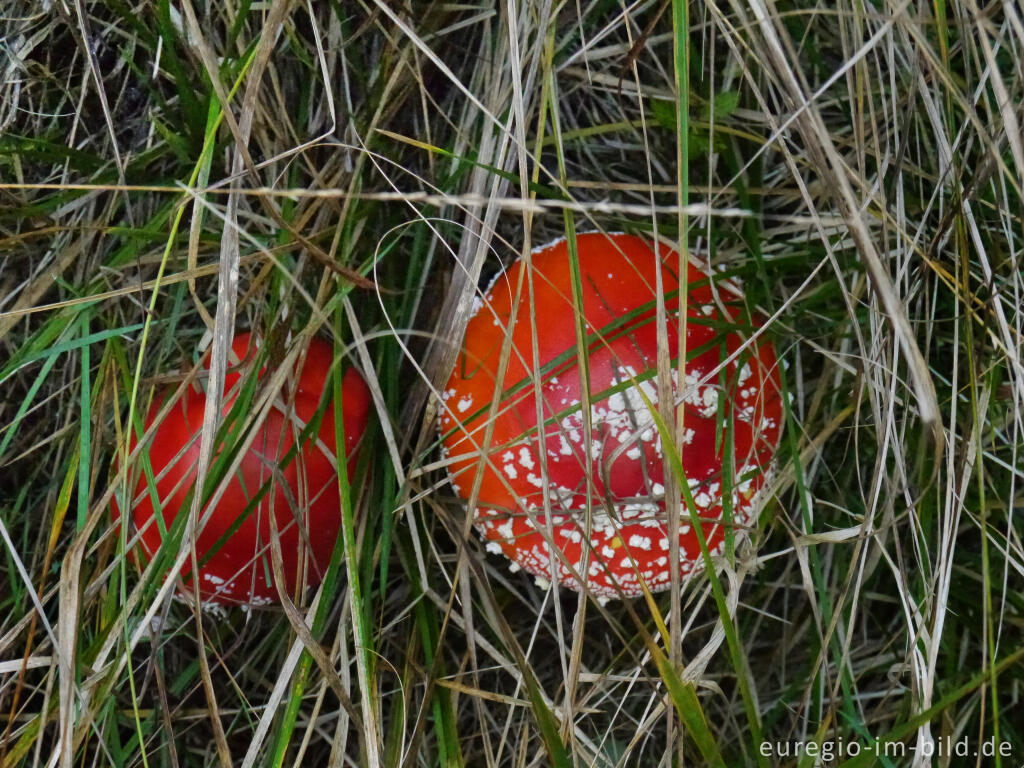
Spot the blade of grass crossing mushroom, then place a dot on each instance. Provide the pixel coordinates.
(724, 443)
(681, 81)
(582, 340)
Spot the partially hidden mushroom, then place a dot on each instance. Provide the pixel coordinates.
(286, 480)
(578, 494)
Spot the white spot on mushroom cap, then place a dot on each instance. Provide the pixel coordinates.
(525, 458)
(710, 399)
(640, 542)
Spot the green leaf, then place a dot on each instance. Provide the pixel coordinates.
(664, 113)
(41, 150)
(684, 698)
(722, 105)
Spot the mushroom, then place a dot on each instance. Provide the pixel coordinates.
(597, 509)
(296, 485)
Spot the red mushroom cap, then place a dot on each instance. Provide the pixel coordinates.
(306, 503)
(622, 469)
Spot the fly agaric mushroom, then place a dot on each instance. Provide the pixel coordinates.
(295, 482)
(537, 485)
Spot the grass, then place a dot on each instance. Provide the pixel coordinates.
(170, 172)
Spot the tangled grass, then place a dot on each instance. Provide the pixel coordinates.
(170, 171)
